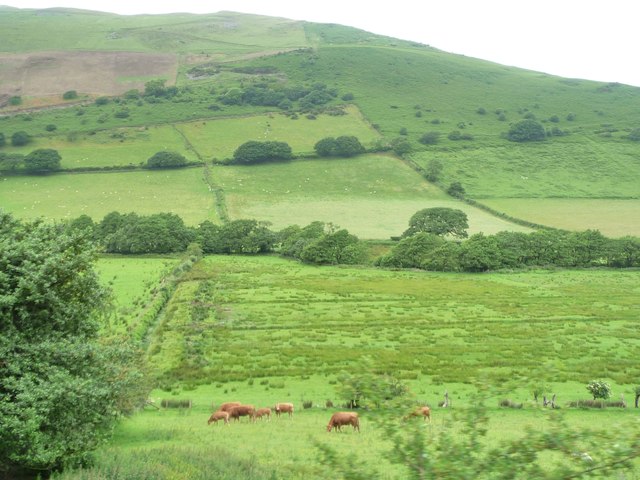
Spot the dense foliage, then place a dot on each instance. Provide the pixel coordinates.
(42, 160)
(166, 159)
(526, 130)
(441, 221)
(258, 152)
(343, 146)
(514, 250)
(60, 387)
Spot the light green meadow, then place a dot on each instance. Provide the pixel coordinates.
(64, 196)
(612, 217)
(373, 196)
(218, 139)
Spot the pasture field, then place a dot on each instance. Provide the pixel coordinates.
(219, 138)
(372, 196)
(64, 196)
(268, 316)
(131, 281)
(277, 330)
(570, 167)
(612, 217)
(112, 148)
(172, 443)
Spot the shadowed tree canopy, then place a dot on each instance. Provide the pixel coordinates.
(440, 221)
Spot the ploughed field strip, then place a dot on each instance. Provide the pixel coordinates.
(269, 317)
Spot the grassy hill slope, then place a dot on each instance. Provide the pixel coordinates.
(402, 89)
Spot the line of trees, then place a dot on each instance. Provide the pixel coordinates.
(317, 243)
(513, 250)
(429, 246)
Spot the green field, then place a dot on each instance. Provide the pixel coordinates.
(613, 218)
(131, 281)
(219, 138)
(281, 331)
(373, 196)
(66, 196)
(453, 327)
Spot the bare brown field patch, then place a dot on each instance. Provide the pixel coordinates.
(43, 74)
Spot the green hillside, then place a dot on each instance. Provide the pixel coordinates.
(401, 89)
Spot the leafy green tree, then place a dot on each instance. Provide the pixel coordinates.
(333, 248)
(401, 146)
(624, 252)
(456, 190)
(343, 146)
(157, 233)
(439, 221)
(412, 251)
(479, 254)
(527, 130)
(599, 389)
(294, 239)
(155, 88)
(21, 138)
(62, 387)
(348, 146)
(42, 160)
(70, 95)
(259, 152)
(15, 100)
(166, 159)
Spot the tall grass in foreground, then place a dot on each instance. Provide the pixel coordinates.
(172, 462)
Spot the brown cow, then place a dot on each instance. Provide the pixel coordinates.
(242, 411)
(225, 407)
(424, 412)
(284, 408)
(263, 412)
(219, 415)
(343, 418)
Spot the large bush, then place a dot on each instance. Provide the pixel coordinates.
(258, 152)
(61, 389)
(343, 146)
(527, 130)
(166, 159)
(19, 139)
(42, 160)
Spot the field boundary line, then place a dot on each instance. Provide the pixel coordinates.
(221, 203)
(474, 203)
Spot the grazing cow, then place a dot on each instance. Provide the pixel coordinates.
(219, 415)
(284, 408)
(343, 418)
(225, 407)
(424, 412)
(242, 411)
(262, 412)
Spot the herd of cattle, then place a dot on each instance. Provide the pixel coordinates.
(235, 410)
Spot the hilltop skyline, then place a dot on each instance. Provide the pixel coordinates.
(568, 38)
